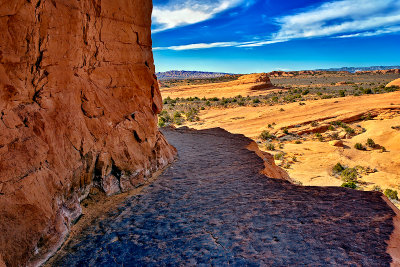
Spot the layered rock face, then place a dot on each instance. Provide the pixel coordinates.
(78, 102)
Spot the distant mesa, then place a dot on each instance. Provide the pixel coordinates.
(251, 84)
(181, 74)
(359, 69)
(258, 81)
(394, 83)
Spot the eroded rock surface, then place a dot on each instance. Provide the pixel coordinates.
(394, 83)
(78, 102)
(214, 207)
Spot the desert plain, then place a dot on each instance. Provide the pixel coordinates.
(310, 123)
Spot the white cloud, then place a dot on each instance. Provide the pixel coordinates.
(336, 19)
(371, 33)
(180, 13)
(197, 46)
(340, 17)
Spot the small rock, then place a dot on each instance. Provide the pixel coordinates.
(338, 143)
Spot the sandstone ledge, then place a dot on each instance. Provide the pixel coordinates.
(214, 207)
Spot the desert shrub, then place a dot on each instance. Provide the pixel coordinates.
(215, 99)
(161, 122)
(281, 109)
(256, 101)
(305, 92)
(396, 128)
(342, 93)
(377, 188)
(335, 136)
(370, 143)
(208, 103)
(383, 149)
(294, 158)
(338, 168)
(270, 146)
(278, 156)
(349, 130)
(314, 124)
(359, 146)
(191, 115)
(367, 117)
(351, 185)
(391, 89)
(297, 142)
(392, 194)
(285, 131)
(331, 128)
(178, 118)
(367, 91)
(349, 175)
(327, 96)
(265, 135)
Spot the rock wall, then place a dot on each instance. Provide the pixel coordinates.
(78, 102)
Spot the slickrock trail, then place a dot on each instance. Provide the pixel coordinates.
(213, 207)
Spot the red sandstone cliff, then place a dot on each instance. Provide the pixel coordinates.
(78, 102)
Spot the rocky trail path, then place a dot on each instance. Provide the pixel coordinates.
(213, 207)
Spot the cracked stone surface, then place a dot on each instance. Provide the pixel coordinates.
(213, 207)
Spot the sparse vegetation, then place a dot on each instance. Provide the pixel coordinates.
(370, 143)
(359, 146)
(350, 184)
(270, 146)
(377, 188)
(266, 135)
(392, 194)
(338, 168)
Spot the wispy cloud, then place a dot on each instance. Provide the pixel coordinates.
(336, 19)
(178, 13)
(217, 44)
(340, 17)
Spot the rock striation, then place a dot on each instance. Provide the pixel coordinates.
(78, 102)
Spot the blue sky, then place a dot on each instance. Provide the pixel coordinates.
(241, 36)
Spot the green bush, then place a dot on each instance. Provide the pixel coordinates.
(349, 130)
(265, 135)
(370, 143)
(377, 188)
(359, 146)
(392, 194)
(351, 185)
(285, 131)
(278, 156)
(338, 168)
(270, 147)
(349, 175)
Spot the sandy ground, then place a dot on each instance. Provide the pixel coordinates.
(214, 90)
(315, 158)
